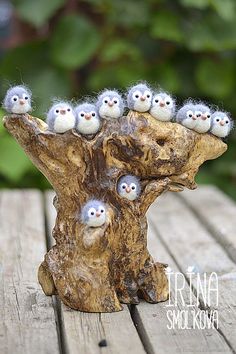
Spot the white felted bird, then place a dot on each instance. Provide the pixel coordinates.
(221, 124)
(88, 121)
(61, 117)
(139, 98)
(129, 187)
(93, 213)
(186, 115)
(163, 106)
(18, 100)
(110, 104)
(203, 114)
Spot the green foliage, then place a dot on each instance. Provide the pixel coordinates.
(78, 48)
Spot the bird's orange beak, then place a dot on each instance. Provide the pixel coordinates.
(222, 123)
(127, 189)
(194, 117)
(204, 117)
(143, 98)
(88, 116)
(97, 214)
(22, 102)
(63, 111)
(110, 103)
(162, 104)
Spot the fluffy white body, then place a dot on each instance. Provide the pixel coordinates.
(203, 114)
(163, 107)
(18, 100)
(94, 213)
(139, 98)
(88, 121)
(129, 187)
(221, 124)
(61, 117)
(186, 116)
(110, 105)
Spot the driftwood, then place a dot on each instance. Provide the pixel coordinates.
(97, 269)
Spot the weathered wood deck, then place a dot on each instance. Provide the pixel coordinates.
(192, 228)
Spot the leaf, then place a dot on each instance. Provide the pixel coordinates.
(226, 8)
(212, 80)
(200, 4)
(166, 25)
(119, 48)
(210, 33)
(37, 12)
(13, 162)
(74, 42)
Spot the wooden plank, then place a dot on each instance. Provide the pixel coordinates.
(28, 323)
(191, 244)
(82, 332)
(156, 325)
(218, 212)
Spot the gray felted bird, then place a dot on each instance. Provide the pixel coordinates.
(110, 104)
(203, 114)
(18, 100)
(221, 124)
(93, 213)
(186, 115)
(61, 117)
(129, 187)
(88, 120)
(139, 98)
(163, 106)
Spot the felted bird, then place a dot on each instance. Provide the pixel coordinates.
(110, 104)
(221, 124)
(203, 114)
(163, 106)
(18, 100)
(186, 115)
(129, 187)
(93, 213)
(139, 98)
(61, 117)
(88, 120)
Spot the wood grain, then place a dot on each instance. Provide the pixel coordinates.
(190, 243)
(97, 269)
(82, 332)
(28, 323)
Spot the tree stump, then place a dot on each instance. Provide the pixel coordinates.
(96, 269)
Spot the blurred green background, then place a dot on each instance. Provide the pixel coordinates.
(73, 48)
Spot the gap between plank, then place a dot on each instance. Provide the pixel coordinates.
(208, 227)
(200, 306)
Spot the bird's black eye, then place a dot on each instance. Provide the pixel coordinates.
(156, 101)
(15, 99)
(168, 102)
(217, 120)
(115, 101)
(137, 96)
(57, 110)
(227, 122)
(68, 109)
(208, 116)
(133, 188)
(190, 115)
(26, 97)
(148, 96)
(93, 114)
(123, 187)
(92, 212)
(82, 114)
(198, 115)
(106, 101)
(102, 210)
